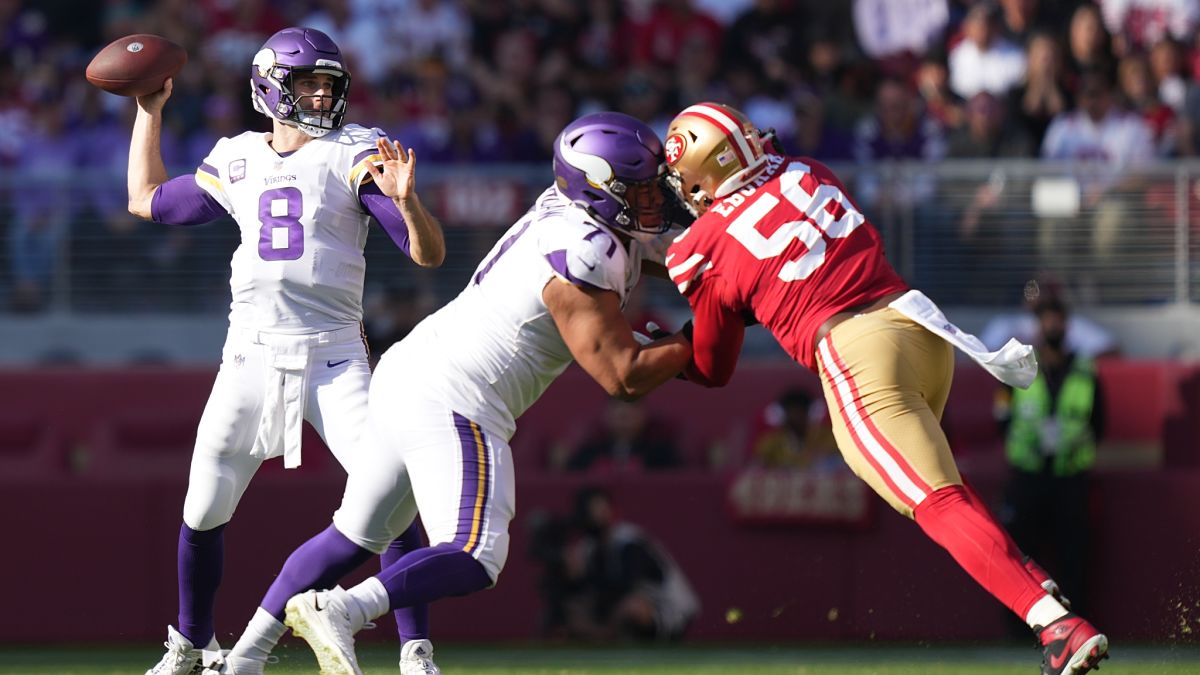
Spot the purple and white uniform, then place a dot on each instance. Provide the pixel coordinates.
(444, 401)
(295, 348)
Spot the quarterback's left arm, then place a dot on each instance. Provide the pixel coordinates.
(717, 334)
(395, 179)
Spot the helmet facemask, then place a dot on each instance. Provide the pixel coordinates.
(284, 60)
(588, 155)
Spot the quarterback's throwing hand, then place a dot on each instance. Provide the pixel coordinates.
(396, 178)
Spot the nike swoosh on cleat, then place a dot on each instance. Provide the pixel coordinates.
(1057, 660)
(335, 364)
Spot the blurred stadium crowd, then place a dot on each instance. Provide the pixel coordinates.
(477, 83)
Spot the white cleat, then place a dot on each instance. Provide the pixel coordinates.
(236, 665)
(322, 619)
(182, 657)
(416, 658)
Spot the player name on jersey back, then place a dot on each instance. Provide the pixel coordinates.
(791, 248)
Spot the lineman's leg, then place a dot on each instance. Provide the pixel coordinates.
(338, 409)
(377, 503)
(464, 486)
(881, 372)
(220, 472)
(412, 621)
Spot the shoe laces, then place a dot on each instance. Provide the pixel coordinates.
(171, 661)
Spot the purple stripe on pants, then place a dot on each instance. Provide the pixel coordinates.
(476, 479)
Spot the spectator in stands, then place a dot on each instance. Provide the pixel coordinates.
(812, 135)
(672, 23)
(39, 225)
(1084, 337)
(1166, 66)
(1113, 141)
(1137, 24)
(796, 434)
(628, 439)
(1139, 92)
(896, 32)
(983, 60)
(698, 75)
(898, 130)
(1044, 95)
(933, 85)
(1089, 45)
(1052, 429)
(1020, 18)
(432, 28)
(767, 37)
(604, 578)
(987, 132)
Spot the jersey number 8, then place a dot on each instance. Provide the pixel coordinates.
(281, 236)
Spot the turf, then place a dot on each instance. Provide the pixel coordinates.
(499, 660)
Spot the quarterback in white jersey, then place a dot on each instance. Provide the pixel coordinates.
(303, 197)
(444, 400)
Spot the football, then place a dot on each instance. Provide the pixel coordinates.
(136, 65)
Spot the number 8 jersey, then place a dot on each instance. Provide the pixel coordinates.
(791, 249)
(300, 265)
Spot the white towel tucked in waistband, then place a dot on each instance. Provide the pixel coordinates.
(279, 431)
(1014, 364)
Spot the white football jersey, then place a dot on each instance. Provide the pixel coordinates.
(492, 351)
(300, 266)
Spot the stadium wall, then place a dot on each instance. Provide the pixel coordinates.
(93, 467)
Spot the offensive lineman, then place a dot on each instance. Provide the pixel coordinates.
(303, 197)
(445, 399)
(778, 242)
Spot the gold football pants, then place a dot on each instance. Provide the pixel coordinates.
(886, 381)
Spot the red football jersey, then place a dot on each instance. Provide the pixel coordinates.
(792, 249)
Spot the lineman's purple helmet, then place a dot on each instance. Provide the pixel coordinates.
(612, 165)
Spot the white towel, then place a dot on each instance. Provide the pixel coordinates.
(1014, 364)
(279, 430)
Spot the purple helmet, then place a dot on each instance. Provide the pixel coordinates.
(612, 165)
(273, 72)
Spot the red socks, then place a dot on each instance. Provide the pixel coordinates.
(959, 521)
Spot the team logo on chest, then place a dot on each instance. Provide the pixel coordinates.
(237, 170)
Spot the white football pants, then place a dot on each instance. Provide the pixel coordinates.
(419, 454)
(332, 397)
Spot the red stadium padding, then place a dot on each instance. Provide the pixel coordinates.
(92, 477)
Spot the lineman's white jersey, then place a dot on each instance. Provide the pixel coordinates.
(300, 266)
(492, 351)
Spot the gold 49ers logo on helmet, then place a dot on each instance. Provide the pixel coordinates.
(674, 147)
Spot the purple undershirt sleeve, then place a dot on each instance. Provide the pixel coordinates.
(384, 210)
(180, 201)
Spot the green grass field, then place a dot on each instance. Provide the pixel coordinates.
(773, 660)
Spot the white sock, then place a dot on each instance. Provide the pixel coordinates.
(260, 637)
(1045, 612)
(370, 599)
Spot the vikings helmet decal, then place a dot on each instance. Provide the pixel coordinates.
(283, 56)
(611, 165)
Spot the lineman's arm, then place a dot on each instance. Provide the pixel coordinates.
(602, 342)
(146, 169)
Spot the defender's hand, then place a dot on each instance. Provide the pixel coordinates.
(397, 177)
